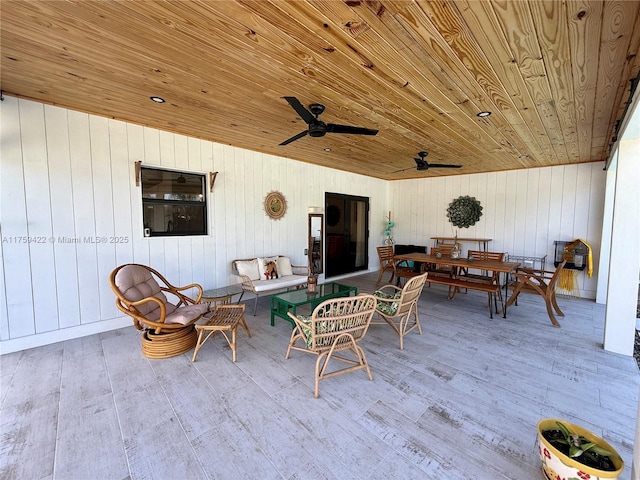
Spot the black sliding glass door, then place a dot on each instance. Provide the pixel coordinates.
(347, 233)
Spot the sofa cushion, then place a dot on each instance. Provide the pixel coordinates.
(282, 282)
(284, 266)
(249, 268)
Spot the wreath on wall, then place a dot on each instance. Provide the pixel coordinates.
(464, 211)
(333, 215)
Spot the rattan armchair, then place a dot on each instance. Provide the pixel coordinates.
(336, 325)
(168, 328)
(399, 306)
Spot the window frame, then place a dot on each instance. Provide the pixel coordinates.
(174, 204)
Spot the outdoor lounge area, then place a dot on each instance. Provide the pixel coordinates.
(265, 156)
(461, 401)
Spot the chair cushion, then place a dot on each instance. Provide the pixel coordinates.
(306, 331)
(284, 266)
(136, 283)
(388, 308)
(187, 313)
(249, 268)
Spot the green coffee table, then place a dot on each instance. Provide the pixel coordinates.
(282, 303)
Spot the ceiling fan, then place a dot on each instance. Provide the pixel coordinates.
(317, 128)
(422, 164)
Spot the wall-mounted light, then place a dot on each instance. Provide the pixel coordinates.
(484, 114)
(314, 210)
(157, 99)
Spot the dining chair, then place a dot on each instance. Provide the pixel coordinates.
(385, 257)
(398, 306)
(541, 283)
(168, 328)
(440, 270)
(335, 326)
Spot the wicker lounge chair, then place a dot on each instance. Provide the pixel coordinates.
(396, 306)
(168, 327)
(336, 325)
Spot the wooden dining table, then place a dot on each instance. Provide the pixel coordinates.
(456, 281)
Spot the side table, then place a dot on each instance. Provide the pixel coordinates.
(223, 319)
(222, 296)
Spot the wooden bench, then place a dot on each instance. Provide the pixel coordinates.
(455, 284)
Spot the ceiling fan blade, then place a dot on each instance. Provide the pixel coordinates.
(333, 128)
(443, 165)
(295, 137)
(403, 170)
(305, 114)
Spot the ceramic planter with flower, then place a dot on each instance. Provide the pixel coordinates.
(570, 452)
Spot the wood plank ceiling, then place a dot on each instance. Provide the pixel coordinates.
(556, 75)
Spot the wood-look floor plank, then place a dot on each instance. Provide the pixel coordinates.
(87, 407)
(29, 415)
(229, 451)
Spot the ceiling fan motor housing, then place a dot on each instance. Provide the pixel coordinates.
(317, 129)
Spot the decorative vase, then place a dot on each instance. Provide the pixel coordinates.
(312, 283)
(455, 251)
(556, 464)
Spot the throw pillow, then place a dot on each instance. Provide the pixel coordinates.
(249, 268)
(284, 266)
(268, 268)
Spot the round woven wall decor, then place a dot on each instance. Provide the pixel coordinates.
(464, 211)
(275, 205)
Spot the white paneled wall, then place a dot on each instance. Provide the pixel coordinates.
(524, 211)
(65, 174)
(70, 175)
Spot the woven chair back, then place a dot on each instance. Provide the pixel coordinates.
(410, 294)
(339, 316)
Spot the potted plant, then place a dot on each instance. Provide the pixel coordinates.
(570, 452)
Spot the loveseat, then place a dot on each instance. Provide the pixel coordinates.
(261, 275)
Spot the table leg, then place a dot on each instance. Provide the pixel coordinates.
(274, 306)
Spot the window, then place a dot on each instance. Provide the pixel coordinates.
(173, 203)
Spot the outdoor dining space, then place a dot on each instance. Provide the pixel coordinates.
(478, 270)
(461, 400)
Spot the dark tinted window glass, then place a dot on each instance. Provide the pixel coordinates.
(173, 203)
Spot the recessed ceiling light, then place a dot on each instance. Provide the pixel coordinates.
(157, 99)
(484, 114)
(327, 149)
